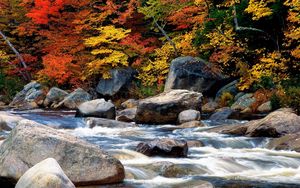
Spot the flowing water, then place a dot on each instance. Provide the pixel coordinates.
(225, 161)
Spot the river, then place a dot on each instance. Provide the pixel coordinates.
(225, 161)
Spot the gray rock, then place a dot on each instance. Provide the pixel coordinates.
(209, 107)
(221, 114)
(229, 88)
(120, 79)
(101, 122)
(97, 108)
(278, 123)
(287, 142)
(45, 174)
(30, 97)
(130, 103)
(237, 96)
(54, 97)
(243, 102)
(127, 115)
(165, 147)
(84, 163)
(265, 107)
(189, 115)
(192, 74)
(165, 107)
(74, 99)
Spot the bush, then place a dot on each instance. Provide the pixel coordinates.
(226, 99)
(292, 98)
(275, 102)
(9, 86)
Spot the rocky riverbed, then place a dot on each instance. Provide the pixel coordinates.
(213, 159)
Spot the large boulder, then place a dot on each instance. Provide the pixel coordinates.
(97, 108)
(30, 97)
(165, 107)
(276, 124)
(45, 174)
(54, 97)
(165, 147)
(192, 74)
(74, 99)
(84, 163)
(120, 80)
(101, 122)
(189, 115)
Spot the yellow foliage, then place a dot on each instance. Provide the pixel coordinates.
(108, 34)
(259, 8)
(271, 65)
(293, 31)
(3, 56)
(108, 53)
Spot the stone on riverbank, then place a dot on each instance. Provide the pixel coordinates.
(74, 99)
(120, 80)
(210, 107)
(97, 108)
(30, 97)
(127, 115)
(45, 174)
(84, 163)
(243, 102)
(165, 107)
(276, 124)
(54, 97)
(287, 142)
(189, 115)
(221, 114)
(165, 147)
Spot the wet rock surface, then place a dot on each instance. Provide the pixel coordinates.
(165, 108)
(164, 147)
(84, 163)
(97, 108)
(45, 174)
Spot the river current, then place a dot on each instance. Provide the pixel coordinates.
(225, 161)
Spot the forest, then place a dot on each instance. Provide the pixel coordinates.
(73, 43)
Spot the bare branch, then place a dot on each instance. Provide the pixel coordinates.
(26, 75)
(239, 28)
(167, 37)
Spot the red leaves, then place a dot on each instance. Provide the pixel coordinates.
(43, 9)
(58, 68)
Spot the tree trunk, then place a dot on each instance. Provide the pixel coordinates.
(26, 75)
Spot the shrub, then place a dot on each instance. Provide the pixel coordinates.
(292, 98)
(226, 99)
